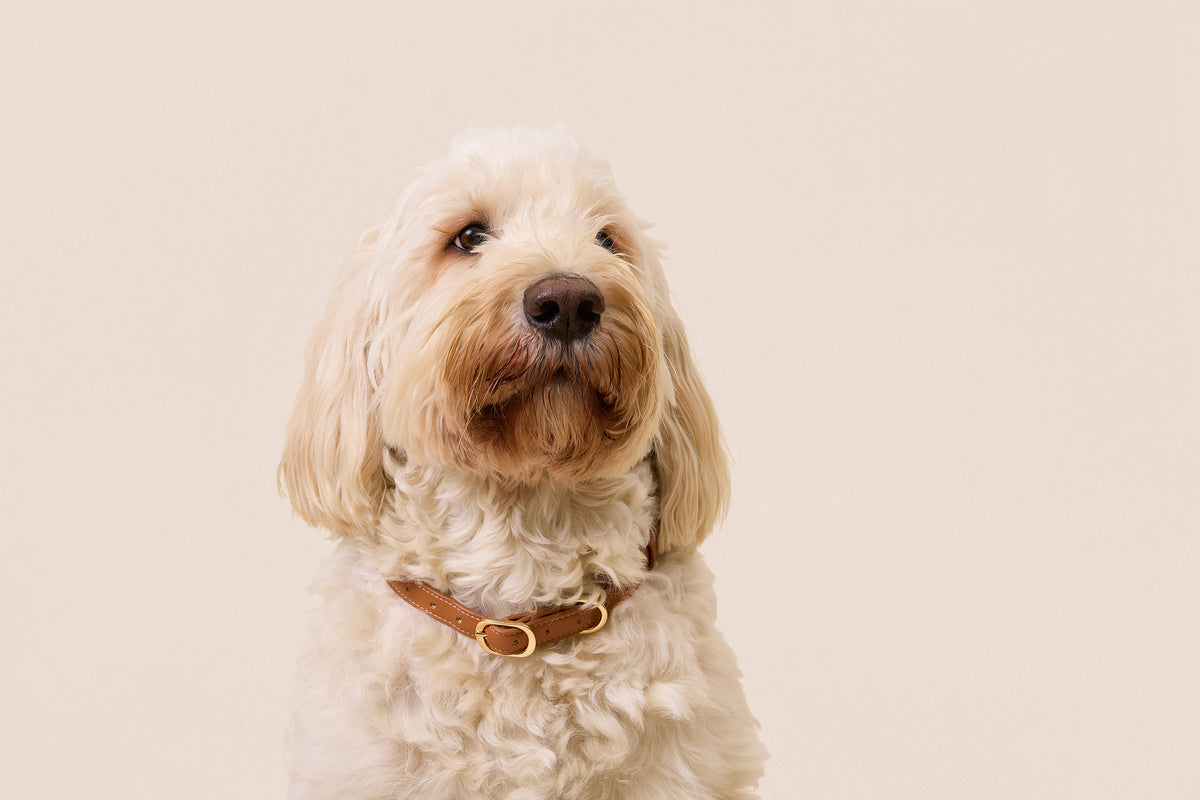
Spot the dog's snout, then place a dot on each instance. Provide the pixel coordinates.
(564, 307)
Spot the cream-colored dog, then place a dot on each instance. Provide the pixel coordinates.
(501, 422)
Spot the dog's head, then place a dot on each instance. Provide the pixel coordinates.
(510, 318)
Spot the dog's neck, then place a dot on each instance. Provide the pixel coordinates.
(503, 549)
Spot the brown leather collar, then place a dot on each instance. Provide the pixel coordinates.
(519, 635)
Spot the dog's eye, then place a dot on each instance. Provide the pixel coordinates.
(606, 241)
(469, 238)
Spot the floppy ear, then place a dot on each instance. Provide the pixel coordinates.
(693, 465)
(331, 469)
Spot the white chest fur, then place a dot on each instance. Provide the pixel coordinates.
(394, 704)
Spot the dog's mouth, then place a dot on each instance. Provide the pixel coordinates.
(562, 406)
(533, 365)
(561, 384)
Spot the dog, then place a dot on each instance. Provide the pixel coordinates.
(502, 426)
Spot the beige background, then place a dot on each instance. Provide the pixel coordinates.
(938, 259)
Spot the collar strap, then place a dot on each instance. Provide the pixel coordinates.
(519, 635)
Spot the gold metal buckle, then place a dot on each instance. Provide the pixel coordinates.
(481, 636)
(598, 601)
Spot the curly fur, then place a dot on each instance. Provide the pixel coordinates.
(441, 439)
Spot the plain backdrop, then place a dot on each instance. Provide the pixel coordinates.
(938, 261)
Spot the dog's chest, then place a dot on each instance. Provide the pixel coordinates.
(569, 721)
(420, 707)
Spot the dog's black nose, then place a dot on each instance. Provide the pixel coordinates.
(564, 307)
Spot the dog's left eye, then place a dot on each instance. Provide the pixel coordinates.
(606, 241)
(470, 238)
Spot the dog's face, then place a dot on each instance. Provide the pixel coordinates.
(510, 319)
(520, 326)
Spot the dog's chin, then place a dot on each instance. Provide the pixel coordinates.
(560, 428)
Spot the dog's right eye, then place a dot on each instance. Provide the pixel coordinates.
(469, 238)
